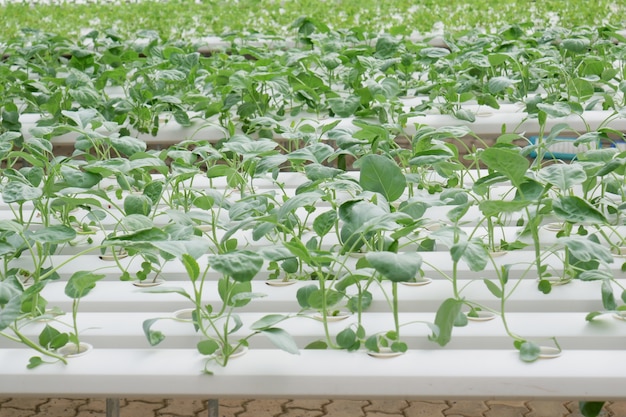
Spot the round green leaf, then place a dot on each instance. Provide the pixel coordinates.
(81, 283)
(242, 266)
(54, 234)
(137, 204)
(396, 267)
(563, 176)
(382, 175)
(19, 192)
(576, 210)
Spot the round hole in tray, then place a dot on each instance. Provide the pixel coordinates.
(240, 351)
(385, 353)
(185, 314)
(419, 282)
(481, 316)
(148, 283)
(111, 257)
(620, 315)
(619, 251)
(554, 226)
(556, 281)
(549, 352)
(204, 227)
(279, 282)
(72, 351)
(332, 317)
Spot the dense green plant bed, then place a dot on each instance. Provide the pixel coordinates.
(188, 20)
(383, 87)
(339, 229)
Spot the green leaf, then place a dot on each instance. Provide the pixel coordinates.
(446, 316)
(10, 311)
(242, 265)
(82, 117)
(608, 300)
(167, 290)
(431, 156)
(9, 288)
(11, 226)
(19, 192)
(544, 286)
(346, 338)
(396, 267)
(563, 176)
(317, 172)
(590, 408)
(85, 96)
(493, 288)
(299, 250)
(304, 294)
(493, 208)
(382, 175)
(192, 267)
(76, 178)
(51, 338)
(290, 265)
(360, 302)
(399, 347)
(587, 250)
(54, 234)
(434, 53)
(268, 321)
(324, 223)
(576, 45)
(34, 361)
(317, 345)
(207, 347)
(153, 191)
(557, 109)
(472, 251)
(137, 204)
(316, 153)
(297, 201)
(151, 236)
(591, 316)
(324, 299)
(81, 283)
(580, 88)
(498, 84)
(344, 107)
(154, 337)
(529, 351)
(236, 294)
(576, 210)
(136, 223)
(282, 340)
(465, 114)
(127, 145)
(507, 162)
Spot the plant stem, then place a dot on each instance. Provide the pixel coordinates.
(394, 296)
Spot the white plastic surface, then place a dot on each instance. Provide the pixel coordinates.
(446, 373)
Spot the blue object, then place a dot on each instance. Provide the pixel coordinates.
(562, 148)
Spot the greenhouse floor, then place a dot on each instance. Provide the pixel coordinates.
(65, 407)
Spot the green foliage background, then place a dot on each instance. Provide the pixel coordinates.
(193, 19)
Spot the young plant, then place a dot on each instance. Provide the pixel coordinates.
(217, 325)
(529, 351)
(397, 268)
(78, 286)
